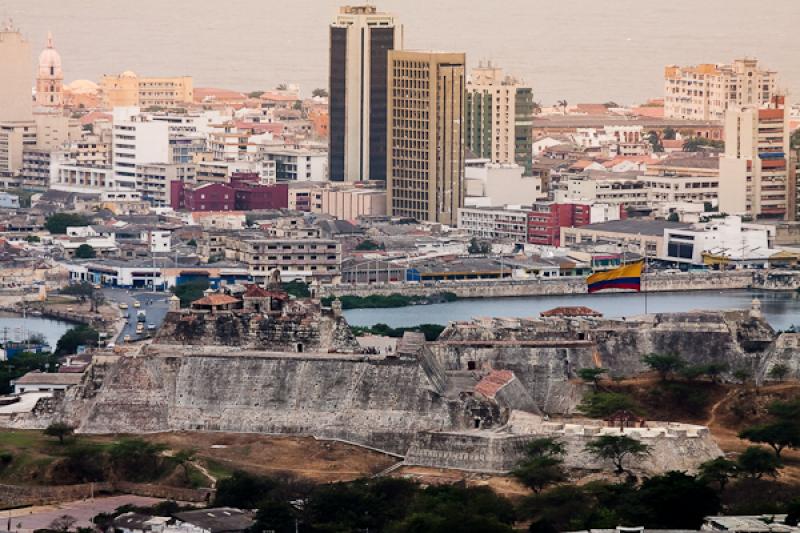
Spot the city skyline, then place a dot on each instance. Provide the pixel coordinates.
(623, 62)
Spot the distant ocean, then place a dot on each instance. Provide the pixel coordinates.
(578, 50)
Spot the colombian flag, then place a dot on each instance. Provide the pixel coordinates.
(624, 277)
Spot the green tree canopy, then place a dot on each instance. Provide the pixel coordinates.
(778, 435)
(58, 223)
(60, 430)
(718, 471)
(591, 375)
(190, 291)
(617, 449)
(85, 251)
(78, 336)
(136, 459)
(542, 465)
(757, 462)
(604, 404)
(665, 364)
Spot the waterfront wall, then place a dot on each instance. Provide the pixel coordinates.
(499, 289)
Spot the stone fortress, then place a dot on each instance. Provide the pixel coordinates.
(255, 360)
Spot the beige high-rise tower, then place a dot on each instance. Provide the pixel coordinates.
(16, 75)
(425, 162)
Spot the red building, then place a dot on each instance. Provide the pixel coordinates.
(243, 193)
(545, 220)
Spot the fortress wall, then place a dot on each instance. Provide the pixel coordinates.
(380, 403)
(495, 452)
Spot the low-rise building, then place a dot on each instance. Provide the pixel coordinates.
(46, 382)
(645, 237)
(495, 184)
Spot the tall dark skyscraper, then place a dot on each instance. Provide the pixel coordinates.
(361, 39)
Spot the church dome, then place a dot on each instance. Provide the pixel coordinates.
(83, 87)
(50, 61)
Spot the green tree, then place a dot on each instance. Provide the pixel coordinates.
(184, 459)
(136, 459)
(757, 462)
(60, 430)
(603, 404)
(298, 289)
(779, 372)
(718, 471)
(85, 251)
(778, 435)
(676, 500)
(319, 93)
(192, 243)
(275, 515)
(655, 141)
(33, 238)
(190, 291)
(244, 490)
(368, 245)
(670, 134)
(617, 449)
(665, 364)
(673, 217)
(742, 374)
(82, 335)
(478, 247)
(795, 139)
(592, 375)
(58, 223)
(255, 94)
(543, 464)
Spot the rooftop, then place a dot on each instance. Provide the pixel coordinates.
(49, 378)
(636, 227)
(219, 520)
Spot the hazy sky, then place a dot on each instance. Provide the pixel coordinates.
(581, 50)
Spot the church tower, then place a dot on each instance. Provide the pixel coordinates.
(50, 79)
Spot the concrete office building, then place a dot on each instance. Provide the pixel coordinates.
(499, 117)
(360, 39)
(756, 177)
(426, 135)
(705, 92)
(16, 74)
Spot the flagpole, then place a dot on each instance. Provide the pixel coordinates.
(644, 286)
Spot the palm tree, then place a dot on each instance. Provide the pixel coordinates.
(536, 108)
(563, 105)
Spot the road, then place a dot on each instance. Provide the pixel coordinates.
(154, 304)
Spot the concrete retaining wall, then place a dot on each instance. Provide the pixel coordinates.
(499, 289)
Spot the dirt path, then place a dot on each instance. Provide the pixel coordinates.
(712, 419)
(203, 470)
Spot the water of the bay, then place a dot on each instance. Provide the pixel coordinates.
(18, 328)
(780, 309)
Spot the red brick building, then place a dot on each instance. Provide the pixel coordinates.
(545, 220)
(243, 193)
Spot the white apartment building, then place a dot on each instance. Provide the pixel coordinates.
(296, 164)
(705, 92)
(154, 180)
(500, 223)
(67, 176)
(756, 174)
(137, 141)
(676, 189)
(610, 190)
